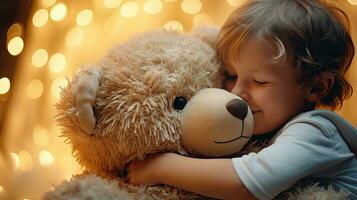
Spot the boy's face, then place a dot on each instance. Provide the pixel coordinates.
(269, 87)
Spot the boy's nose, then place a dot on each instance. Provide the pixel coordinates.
(238, 108)
(241, 92)
(243, 95)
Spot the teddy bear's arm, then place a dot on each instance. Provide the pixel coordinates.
(85, 88)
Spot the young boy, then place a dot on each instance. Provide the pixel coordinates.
(285, 58)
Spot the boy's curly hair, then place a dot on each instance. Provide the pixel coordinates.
(317, 33)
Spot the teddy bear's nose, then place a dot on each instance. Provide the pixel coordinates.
(238, 108)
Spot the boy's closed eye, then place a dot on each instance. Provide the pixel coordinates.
(228, 76)
(233, 77)
(261, 82)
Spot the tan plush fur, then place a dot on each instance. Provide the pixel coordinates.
(134, 108)
(134, 113)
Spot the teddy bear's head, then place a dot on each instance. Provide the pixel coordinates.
(145, 84)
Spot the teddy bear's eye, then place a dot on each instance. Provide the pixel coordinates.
(179, 103)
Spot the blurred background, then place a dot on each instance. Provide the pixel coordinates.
(43, 42)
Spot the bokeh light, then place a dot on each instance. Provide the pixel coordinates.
(74, 37)
(40, 18)
(15, 30)
(153, 6)
(4, 85)
(25, 161)
(84, 17)
(2, 193)
(129, 9)
(57, 62)
(191, 6)
(352, 2)
(40, 136)
(236, 3)
(173, 25)
(15, 160)
(35, 89)
(39, 58)
(58, 12)
(45, 158)
(60, 36)
(56, 86)
(47, 3)
(112, 3)
(15, 46)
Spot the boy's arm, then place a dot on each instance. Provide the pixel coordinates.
(209, 177)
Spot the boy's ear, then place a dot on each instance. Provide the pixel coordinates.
(208, 34)
(322, 85)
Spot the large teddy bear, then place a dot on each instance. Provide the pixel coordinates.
(143, 85)
(129, 105)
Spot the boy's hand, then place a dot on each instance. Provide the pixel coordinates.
(147, 171)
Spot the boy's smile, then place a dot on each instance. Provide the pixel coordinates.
(267, 83)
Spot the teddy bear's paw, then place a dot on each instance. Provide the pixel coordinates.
(88, 187)
(85, 86)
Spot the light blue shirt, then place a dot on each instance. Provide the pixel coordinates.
(308, 146)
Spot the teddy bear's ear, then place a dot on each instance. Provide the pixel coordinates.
(208, 34)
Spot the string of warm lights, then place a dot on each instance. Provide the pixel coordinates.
(63, 35)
